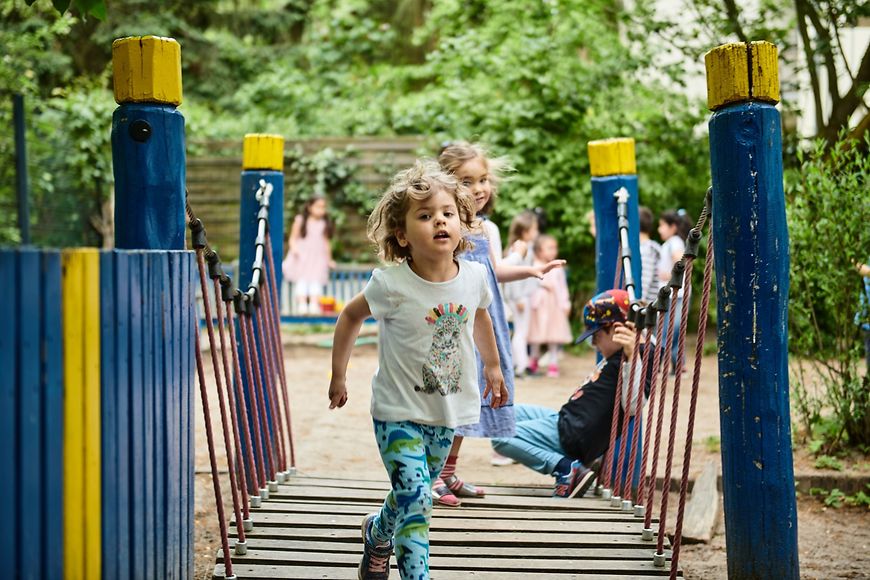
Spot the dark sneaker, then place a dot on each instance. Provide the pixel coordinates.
(575, 483)
(375, 563)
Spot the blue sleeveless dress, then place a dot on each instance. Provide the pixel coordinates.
(499, 422)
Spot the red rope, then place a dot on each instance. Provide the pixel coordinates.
(656, 356)
(638, 411)
(243, 406)
(222, 404)
(696, 380)
(216, 484)
(255, 407)
(625, 478)
(273, 305)
(681, 345)
(270, 389)
(663, 353)
(240, 463)
(611, 457)
(261, 394)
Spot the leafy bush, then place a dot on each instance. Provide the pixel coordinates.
(828, 212)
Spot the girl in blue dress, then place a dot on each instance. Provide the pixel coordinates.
(479, 172)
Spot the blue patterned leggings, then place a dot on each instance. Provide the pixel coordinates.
(413, 455)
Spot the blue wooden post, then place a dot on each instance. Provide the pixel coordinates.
(613, 166)
(262, 161)
(752, 264)
(148, 335)
(148, 144)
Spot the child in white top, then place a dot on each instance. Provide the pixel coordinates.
(431, 312)
(521, 234)
(674, 228)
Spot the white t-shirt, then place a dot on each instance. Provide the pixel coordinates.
(427, 369)
(674, 244)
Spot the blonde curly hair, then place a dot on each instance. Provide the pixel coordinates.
(417, 183)
(455, 154)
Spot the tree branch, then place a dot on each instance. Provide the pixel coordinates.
(841, 113)
(811, 64)
(733, 14)
(826, 47)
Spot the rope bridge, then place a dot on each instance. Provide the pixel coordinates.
(100, 349)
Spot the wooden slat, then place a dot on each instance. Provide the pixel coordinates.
(354, 494)
(469, 523)
(464, 512)
(491, 489)
(486, 563)
(260, 572)
(592, 540)
(255, 543)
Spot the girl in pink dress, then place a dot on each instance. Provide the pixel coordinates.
(551, 306)
(309, 255)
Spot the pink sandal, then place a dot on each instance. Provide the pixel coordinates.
(460, 488)
(442, 495)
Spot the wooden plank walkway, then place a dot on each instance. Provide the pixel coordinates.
(310, 529)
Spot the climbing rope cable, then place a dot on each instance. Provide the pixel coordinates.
(656, 321)
(256, 427)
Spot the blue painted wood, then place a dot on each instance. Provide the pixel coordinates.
(137, 417)
(52, 415)
(160, 284)
(172, 313)
(9, 495)
(149, 178)
(125, 430)
(30, 519)
(189, 296)
(752, 263)
(607, 229)
(110, 478)
(148, 434)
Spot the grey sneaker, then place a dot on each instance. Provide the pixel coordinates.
(375, 563)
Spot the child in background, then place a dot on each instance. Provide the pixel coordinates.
(674, 228)
(551, 305)
(650, 252)
(521, 235)
(431, 312)
(309, 255)
(480, 173)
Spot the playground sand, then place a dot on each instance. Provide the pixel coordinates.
(339, 443)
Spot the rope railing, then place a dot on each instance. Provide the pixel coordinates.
(654, 327)
(256, 431)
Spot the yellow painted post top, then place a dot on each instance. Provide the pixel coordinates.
(739, 72)
(147, 69)
(612, 157)
(263, 151)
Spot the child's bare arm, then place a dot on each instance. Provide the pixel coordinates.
(295, 233)
(484, 338)
(346, 331)
(507, 273)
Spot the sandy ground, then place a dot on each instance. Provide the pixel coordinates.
(339, 443)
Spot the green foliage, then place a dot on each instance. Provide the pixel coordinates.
(96, 8)
(828, 462)
(837, 499)
(828, 212)
(712, 444)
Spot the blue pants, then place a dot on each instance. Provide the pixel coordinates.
(414, 455)
(675, 341)
(536, 444)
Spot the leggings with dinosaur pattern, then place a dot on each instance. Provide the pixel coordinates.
(413, 455)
